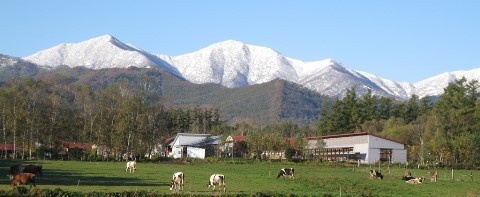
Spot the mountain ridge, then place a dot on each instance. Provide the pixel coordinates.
(233, 64)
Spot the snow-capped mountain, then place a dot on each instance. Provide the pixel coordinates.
(101, 52)
(13, 66)
(233, 64)
(435, 85)
(236, 64)
(9, 61)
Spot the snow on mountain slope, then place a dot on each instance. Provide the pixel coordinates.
(334, 79)
(435, 85)
(9, 61)
(398, 90)
(233, 64)
(6, 61)
(101, 52)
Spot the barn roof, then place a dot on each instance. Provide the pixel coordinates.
(74, 145)
(9, 147)
(239, 138)
(353, 134)
(193, 139)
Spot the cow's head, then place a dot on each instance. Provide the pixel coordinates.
(172, 184)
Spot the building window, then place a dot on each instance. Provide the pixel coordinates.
(385, 154)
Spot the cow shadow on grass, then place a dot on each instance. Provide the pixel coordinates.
(72, 178)
(59, 177)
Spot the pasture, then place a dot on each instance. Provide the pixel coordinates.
(245, 179)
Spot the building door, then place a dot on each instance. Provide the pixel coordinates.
(385, 154)
(184, 152)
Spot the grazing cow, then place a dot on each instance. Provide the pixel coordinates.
(433, 176)
(375, 174)
(177, 181)
(416, 181)
(286, 172)
(14, 170)
(34, 169)
(216, 179)
(132, 166)
(23, 178)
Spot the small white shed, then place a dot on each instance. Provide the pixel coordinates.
(190, 145)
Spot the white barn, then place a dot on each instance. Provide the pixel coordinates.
(189, 145)
(364, 147)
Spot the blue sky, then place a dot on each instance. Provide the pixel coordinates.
(398, 40)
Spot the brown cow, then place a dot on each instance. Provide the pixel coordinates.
(433, 176)
(407, 175)
(23, 178)
(34, 169)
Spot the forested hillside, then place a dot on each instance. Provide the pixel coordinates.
(270, 102)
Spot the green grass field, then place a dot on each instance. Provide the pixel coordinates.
(249, 179)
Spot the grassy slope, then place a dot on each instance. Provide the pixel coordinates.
(245, 178)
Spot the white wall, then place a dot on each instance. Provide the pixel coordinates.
(399, 156)
(373, 155)
(362, 149)
(345, 141)
(376, 142)
(194, 152)
(177, 152)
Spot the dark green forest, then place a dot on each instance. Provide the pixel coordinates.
(132, 111)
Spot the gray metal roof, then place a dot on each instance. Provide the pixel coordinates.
(191, 139)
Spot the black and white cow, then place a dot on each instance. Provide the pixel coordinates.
(177, 181)
(216, 179)
(419, 180)
(406, 178)
(375, 174)
(286, 172)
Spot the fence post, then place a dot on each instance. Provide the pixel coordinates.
(453, 178)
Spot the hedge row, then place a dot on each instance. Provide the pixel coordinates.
(23, 191)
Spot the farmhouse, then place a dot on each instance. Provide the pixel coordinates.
(189, 145)
(235, 146)
(8, 150)
(75, 150)
(363, 147)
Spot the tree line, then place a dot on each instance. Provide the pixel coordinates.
(126, 118)
(130, 118)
